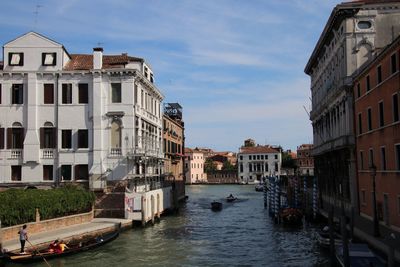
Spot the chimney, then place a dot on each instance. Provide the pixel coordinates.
(97, 58)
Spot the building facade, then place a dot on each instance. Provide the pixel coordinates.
(174, 147)
(194, 166)
(354, 32)
(377, 120)
(256, 163)
(86, 118)
(305, 160)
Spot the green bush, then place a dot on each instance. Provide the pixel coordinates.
(17, 206)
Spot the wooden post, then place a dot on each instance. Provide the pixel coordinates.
(1, 239)
(143, 211)
(37, 215)
(331, 237)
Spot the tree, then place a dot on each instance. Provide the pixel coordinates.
(209, 166)
(227, 166)
(287, 161)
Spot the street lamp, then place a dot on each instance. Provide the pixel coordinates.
(375, 210)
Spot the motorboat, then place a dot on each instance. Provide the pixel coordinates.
(359, 256)
(231, 198)
(216, 206)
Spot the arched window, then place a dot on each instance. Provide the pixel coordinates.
(48, 136)
(116, 134)
(15, 136)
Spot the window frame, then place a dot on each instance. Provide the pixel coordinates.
(21, 58)
(383, 158)
(66, 94)
(395, 107)
(48, 93)
(379, 74)
(83, 93)
(48, 169)
(17, 99)
(393, 63)
(381, 114)
(54, 54)
(16, 169)
(83, 139)
(369, 118)
(65, 139)
(119, 93)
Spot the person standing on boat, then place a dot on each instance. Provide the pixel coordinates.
(23, 236)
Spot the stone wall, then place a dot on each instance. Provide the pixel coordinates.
(9, 233)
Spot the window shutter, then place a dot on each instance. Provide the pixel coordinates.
(9, 134)
(1, 138)
(41, 138)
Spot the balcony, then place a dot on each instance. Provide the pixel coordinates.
(48, 153)
(15, 153)
(115, 152)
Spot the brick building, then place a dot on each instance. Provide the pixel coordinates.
(304, 160)
(377, 124)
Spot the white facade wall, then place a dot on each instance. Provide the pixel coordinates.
(195, 168)
(140, 123)
(253, 167)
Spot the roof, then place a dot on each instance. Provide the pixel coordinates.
(340, 12)
(85, 61)
(258, 149)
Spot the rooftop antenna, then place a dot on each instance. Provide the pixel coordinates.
(36, 12)
(99, 44)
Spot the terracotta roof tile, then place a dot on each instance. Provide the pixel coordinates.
(258, 149)
(85, 61)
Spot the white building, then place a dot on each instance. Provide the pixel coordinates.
(255, 163)
(83, 118)
(194, 166)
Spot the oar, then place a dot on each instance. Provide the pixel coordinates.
(39, 253)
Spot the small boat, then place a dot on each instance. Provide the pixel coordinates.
(323, 238)
(231, 198)
(73, 248)
(216, 206)
(359, 255)
(291, 216)
(259, 187)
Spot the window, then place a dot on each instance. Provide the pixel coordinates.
(67, 93)
(251, 168)
(371, 157)
(266, 167)
(83, 93)
(379, 74)
(241, 157)
(49, 59)
(258, 157)
(116, 93)
(266, 156)
(383, 158)
(262, 157)
(48, 137)
(395, 107)
(17, 94)
(66, 171)
(276, 156)
(47, 172)
(16, 59)
(16, 173)
(369, 119)
(81, 172)
(276, 166)
(241, 167)
(83, 139)
(364, 25)
(249, 157)
(48, 93)
(361, 160)
(1, 138)
(15, 137)
(397, 151)
(359, 123)
(393, 63)
(0, 93)
(381, 115)
(368, 84)
(363, 200)
(358, 90)
(66, 139)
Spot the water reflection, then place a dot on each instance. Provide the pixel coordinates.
(242, 234)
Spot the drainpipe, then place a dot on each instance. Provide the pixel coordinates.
(57, 154)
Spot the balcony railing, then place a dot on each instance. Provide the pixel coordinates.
(16, 153)
(48, 153)
(115, 152)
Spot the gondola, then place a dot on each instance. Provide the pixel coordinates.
(73, 248)
(216, 206)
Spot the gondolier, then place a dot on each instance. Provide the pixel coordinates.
(23, 236)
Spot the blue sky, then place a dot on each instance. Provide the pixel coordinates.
(236, 66)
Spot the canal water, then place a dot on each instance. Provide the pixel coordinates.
(242, 234)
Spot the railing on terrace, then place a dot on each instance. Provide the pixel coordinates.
(48, 153)
(16, 153)
(115, 152)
